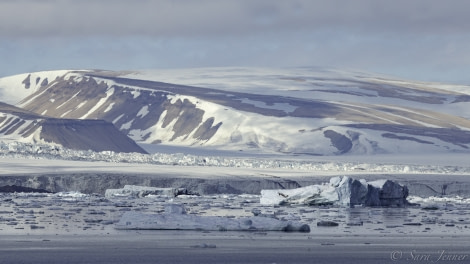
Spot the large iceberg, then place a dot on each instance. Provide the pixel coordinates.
(342, 191)
(175, 218)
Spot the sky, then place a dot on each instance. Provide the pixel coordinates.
(425, 40)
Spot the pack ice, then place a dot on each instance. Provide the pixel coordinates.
(342, 191)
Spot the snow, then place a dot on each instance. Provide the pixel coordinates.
(117, 118)
(65, 113)
(71, 98)
(279, 81)
(81, 104)
(143, 111)
(12, 91)
(307, 83)
(351, 91)
(16, 135)
(135, 94)
(109, 93)
(110, 106)
(126, 125)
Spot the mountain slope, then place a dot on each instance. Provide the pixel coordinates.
(19, 125)
(310, 111)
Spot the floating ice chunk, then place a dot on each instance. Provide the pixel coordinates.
(70, 196)
(310, 195)
(435, 203)
(175, 218)
(143, 191)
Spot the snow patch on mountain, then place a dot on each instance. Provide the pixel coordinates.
(15, 128)
(15, 88)
(109, 93)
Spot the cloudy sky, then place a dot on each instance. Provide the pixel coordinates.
(414, 39)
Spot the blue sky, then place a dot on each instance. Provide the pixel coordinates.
(415, 39)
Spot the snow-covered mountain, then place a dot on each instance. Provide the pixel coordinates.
(302, 110)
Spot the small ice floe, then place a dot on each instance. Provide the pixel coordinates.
(436, 203)
(70, 196)
(327, 223)
(355, 223)
(204, 245)
(144, 191)
(175, 218)
(342, 191)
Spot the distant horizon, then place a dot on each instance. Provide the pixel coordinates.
(346, 69)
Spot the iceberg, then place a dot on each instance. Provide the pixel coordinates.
(175, 218)
(342, 191)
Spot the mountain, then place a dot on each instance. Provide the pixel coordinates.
(20, 125)
(301, 110)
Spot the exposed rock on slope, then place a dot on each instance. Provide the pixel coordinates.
(96, 135)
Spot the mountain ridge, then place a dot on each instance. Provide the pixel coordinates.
(288, 111)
